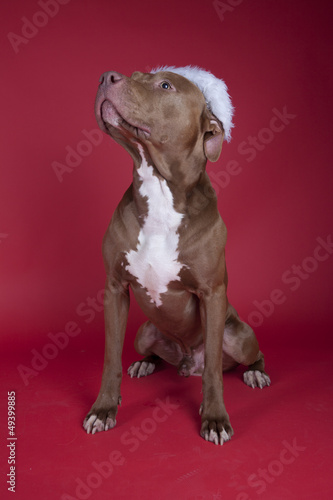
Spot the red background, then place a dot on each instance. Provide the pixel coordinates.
(273, 55)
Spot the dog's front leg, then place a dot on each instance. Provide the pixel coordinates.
(215, 420)
(102, 415)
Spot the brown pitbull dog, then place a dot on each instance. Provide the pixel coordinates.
(166, 240)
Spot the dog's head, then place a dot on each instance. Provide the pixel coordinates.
(174, 113)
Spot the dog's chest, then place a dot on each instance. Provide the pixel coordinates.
(154, 262)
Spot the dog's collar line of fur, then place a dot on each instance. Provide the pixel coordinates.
(214, 90)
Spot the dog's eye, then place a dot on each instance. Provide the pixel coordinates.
(165, 85)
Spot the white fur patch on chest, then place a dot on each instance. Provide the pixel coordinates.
(154, 262)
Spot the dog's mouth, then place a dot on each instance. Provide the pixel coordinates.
(111, 118)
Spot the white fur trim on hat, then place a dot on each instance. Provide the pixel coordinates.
(214, 90)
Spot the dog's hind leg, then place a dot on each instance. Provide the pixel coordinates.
(152, 344)
(241, 344)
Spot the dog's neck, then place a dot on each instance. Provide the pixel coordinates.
(174, 181)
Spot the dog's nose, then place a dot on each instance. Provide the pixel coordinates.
(110, 77)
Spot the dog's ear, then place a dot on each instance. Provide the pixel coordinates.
(213, 139)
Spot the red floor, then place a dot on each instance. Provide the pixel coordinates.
(282, 447)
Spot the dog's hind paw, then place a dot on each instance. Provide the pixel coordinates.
(256, 378)
(141, 369)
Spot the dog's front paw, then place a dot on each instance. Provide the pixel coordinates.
(99, 420)
(141, 369)
(216, 430)
(256, 378)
